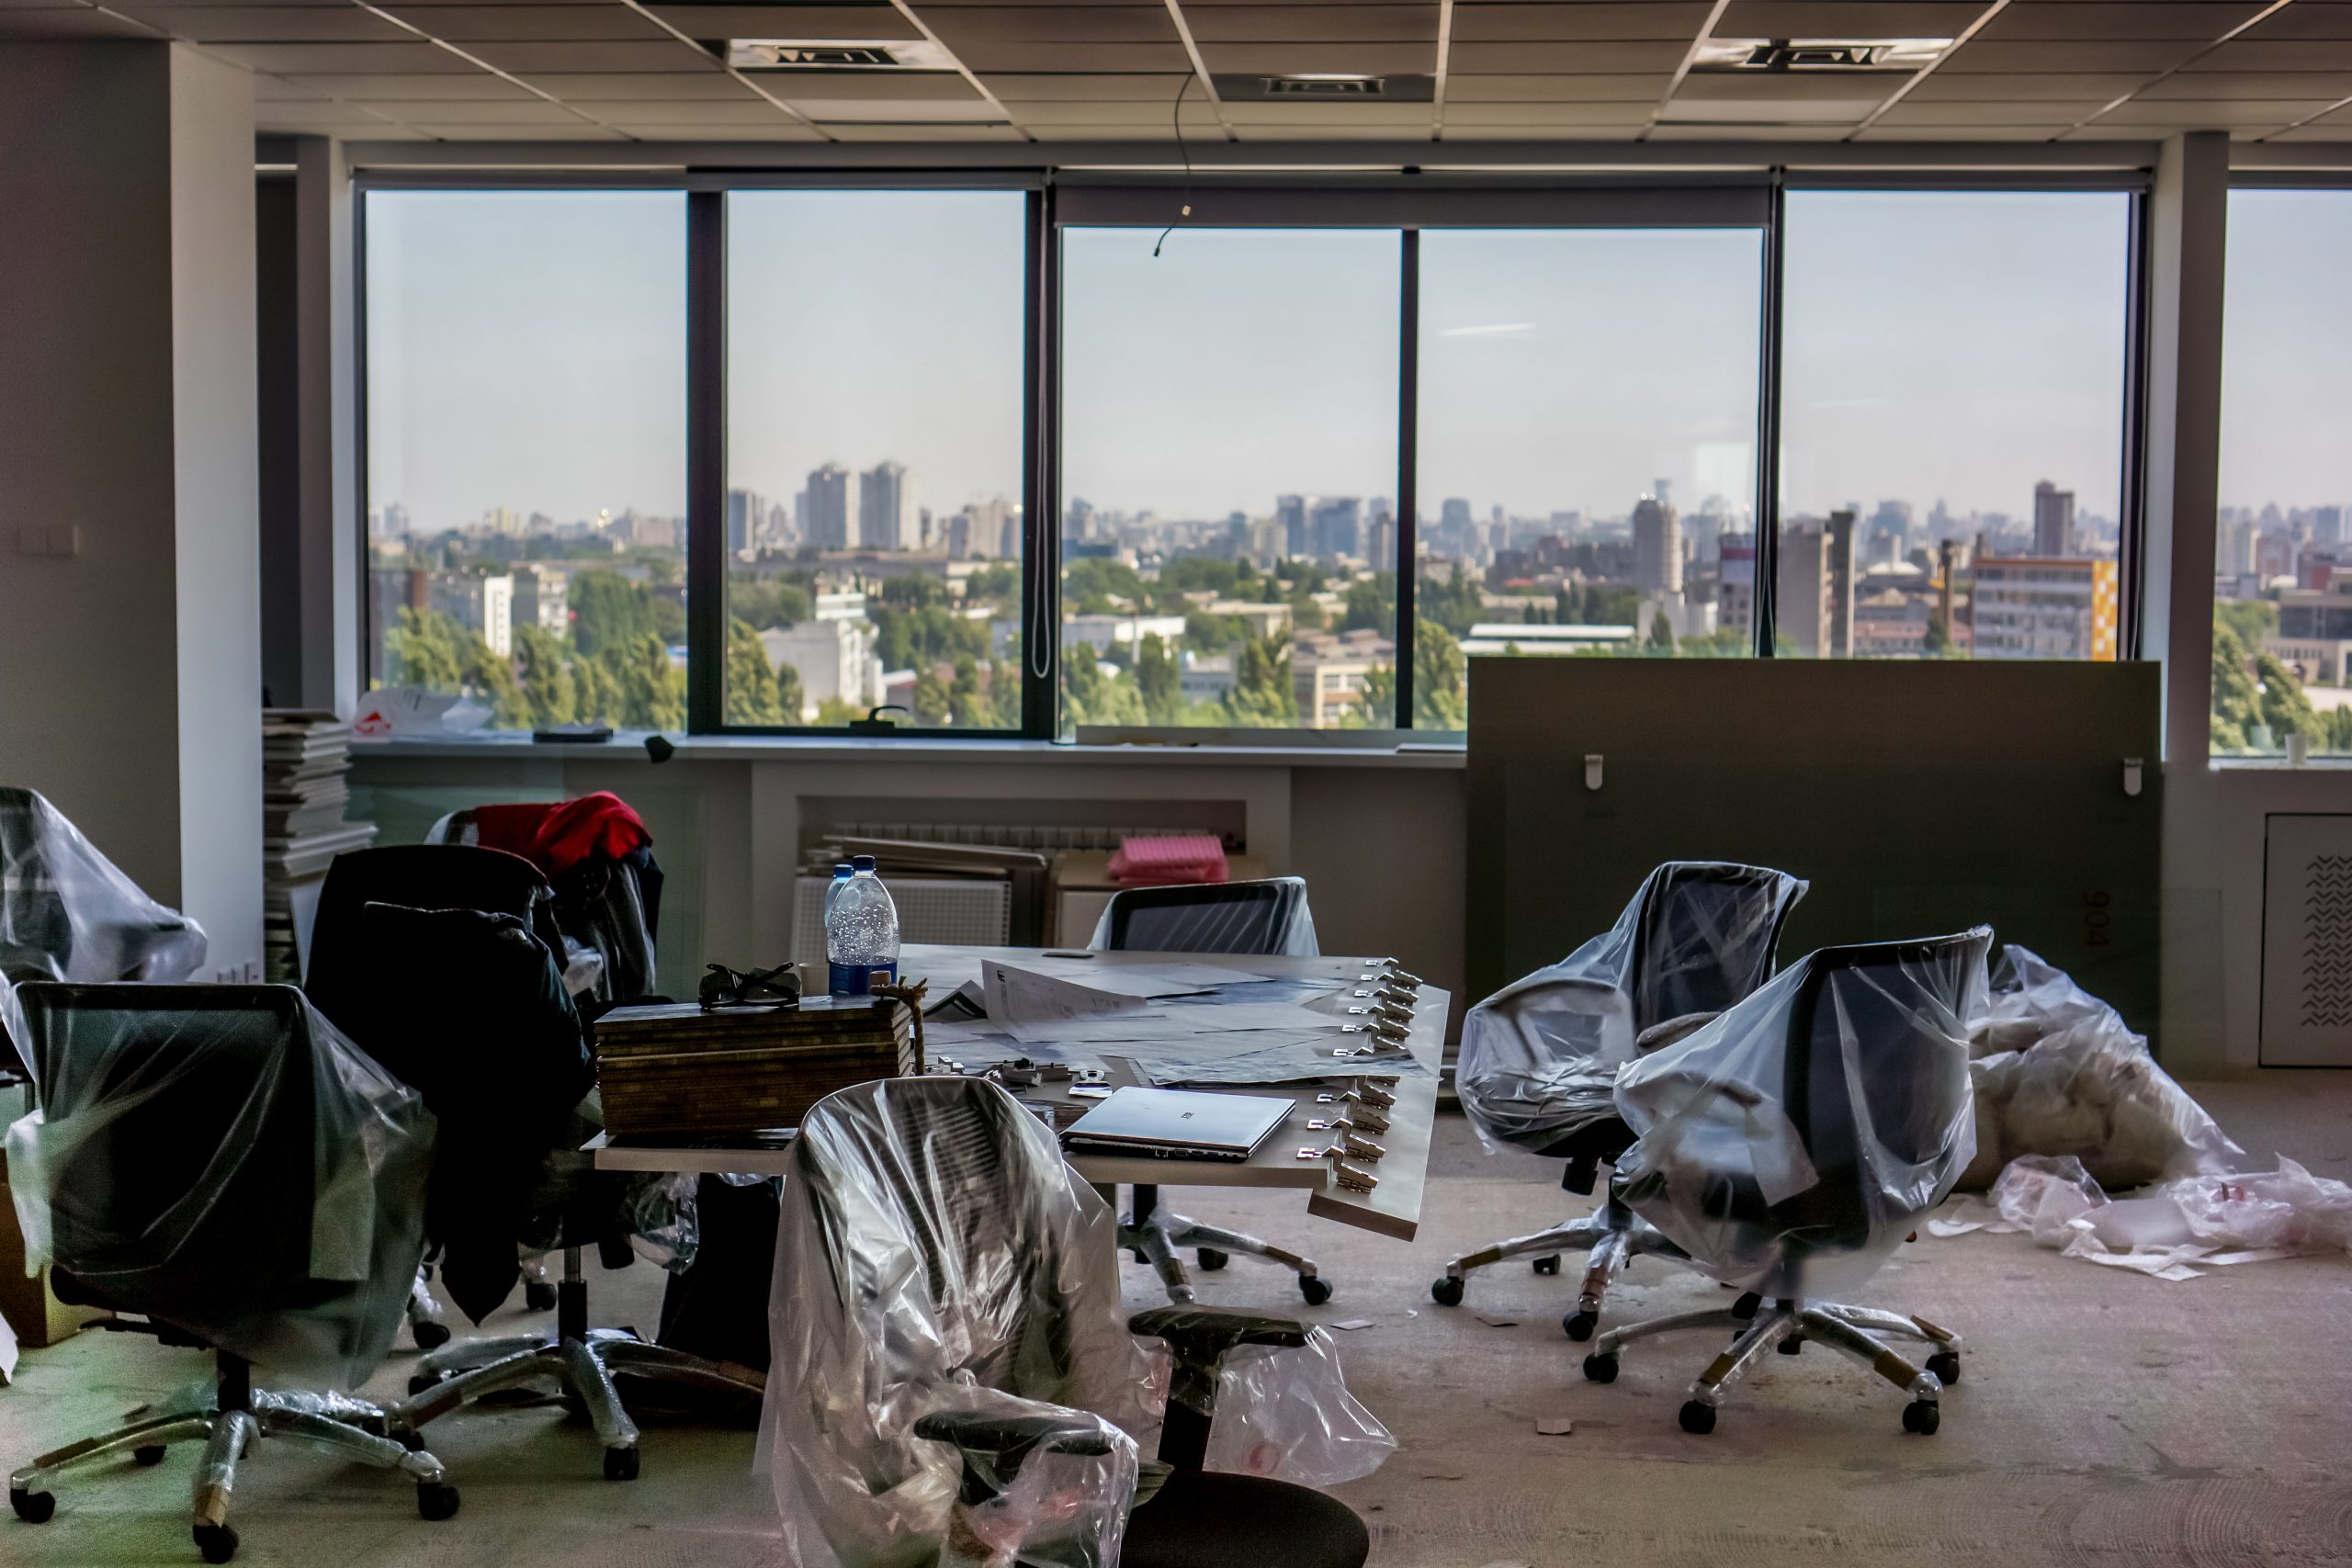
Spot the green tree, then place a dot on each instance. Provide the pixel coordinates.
(1263, 694)
(425, 650)
(770, 602)
(1440, 679)
(1091, 696)
(607, 611)
(2252, 620)
(1937, 643)
(1661, 639)
(1380, 697)
(2284, 706)
(2338, 736)
(1372, 604)
(489, 679)
(544, 666)
(931, 701)
(1453, 603)
(1091, 583)
(2237, 702)
(1157, 681)
(597, 692)
(752, 696)
(651, 692)
(1205, 633)
(993, 584)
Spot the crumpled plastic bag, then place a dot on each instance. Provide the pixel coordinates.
(2059, 1073)
(1287, 1415)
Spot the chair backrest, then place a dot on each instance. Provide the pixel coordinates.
(68, 913)
(1258, 919)
(414, 877)
(613, 905)
(1705, 936)
(1877, 1069)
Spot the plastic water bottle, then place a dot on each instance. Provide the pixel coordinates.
(842, 870)
(861, 933)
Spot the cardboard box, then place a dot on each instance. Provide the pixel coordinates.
(26, 1300)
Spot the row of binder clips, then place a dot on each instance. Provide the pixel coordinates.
(1383, 1000)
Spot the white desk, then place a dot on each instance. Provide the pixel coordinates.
(1392, 1208)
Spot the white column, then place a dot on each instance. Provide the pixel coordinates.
(129, 640)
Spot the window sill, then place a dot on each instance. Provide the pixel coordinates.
(626, 747)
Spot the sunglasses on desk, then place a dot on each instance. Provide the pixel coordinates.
(725, 987)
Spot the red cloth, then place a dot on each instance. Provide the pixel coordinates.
(557, 838)
(1167, 862)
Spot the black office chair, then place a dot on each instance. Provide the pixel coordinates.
(607, 903)
(1268, 918)
(216, 1158)
(69, 913)
(1791, 1144)
(1539, 1057)
(483, 1028)
(949, 1348)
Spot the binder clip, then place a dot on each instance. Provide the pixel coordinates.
(1346, 1137)
(1355, 1108)
(1376, 1091)
(1351, 1178)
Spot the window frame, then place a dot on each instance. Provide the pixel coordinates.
(1405, 202)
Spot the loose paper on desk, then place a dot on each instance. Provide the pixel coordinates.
(1139, 979)
(1018, 996)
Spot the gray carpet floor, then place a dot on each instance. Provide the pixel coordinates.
(2105, 1419)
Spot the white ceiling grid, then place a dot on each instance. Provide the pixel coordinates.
(1048, 71)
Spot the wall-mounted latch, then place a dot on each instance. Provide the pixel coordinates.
(2131, 772)
(1592, 770)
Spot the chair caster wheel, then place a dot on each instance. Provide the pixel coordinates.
(150, 1454)
(1921, 1415)
(1697, 1419)
(1600, 1368)
(1578, 1326)
(435, 1500)
(33, 1507)
(620, 1464)
(1945, 1364)
(410, 1439)
(1211, 1259)
(429, 1335)
(1745, 1308)
(217, 1542)
(420, 1382)
(1446, 1292)
(1550, 1265)
(1792, 1345)
(1316, 1291)
(538, 1295)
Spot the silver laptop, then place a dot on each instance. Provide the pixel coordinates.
(1174, 1123)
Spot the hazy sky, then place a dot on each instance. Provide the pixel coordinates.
(528, 350)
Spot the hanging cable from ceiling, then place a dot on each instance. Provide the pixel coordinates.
(1184, 207)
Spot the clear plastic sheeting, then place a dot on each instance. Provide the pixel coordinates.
(1287, 1415)
(218, 1158)
(1540, 1057)
(1790, 1144)
(935, 1254)
(2059, 1073)
(68, 913)
(1268, 919)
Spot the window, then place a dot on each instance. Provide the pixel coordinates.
(1588, 418)
(1228, 477)
(1952, 424)
(2282, 614)
(875, 354)
(525, 456)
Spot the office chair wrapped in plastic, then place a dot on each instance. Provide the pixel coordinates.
(1787, 1146)
(1540, 1057)
(68, 913)
(1264, 918)
(220, 1159)
(953, 1381)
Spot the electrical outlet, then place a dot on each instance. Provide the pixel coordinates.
(49, 539)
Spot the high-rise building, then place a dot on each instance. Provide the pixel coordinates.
(2043, 608)
(747, 511)
(1456, 513)
(482, 602)
(1841, 585)
(2327, 525)
(1802, 595)
(1657, 548)
(1335, 527)
(1290, 512)
(831, 515)
(542, 598)
(2053, 521)
(1735, 584)
(888, 517)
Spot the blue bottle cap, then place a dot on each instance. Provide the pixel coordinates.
(842, 868)
(862, 862)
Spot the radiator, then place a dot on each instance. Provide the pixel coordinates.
(2307, 941)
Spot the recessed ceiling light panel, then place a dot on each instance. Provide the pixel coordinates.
(1818, 54)
(833, 54)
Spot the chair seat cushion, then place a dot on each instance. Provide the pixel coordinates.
(1205, 1519)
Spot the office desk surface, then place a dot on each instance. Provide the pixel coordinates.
(1392, 1208)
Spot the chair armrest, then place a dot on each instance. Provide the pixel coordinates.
(1658, 1037)
(1197, 1342)
(996, 1445)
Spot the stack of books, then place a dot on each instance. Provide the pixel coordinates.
(305, 758)
(678, 1071)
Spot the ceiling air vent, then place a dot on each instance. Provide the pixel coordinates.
(799, 54)
(1818, 54)
(1326, 87)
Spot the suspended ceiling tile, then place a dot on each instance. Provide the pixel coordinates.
(518, 111)
(638, 85)
(2218, 115)
(1568, 59)
(1630, 88)
(1138, 135)
(988, 55)
(1578, 133)
(2147, 56)
(1868, 88)
(577, 130)
(469, 85)
(1330, 133)
(713, 114)
(59, 23)
(1056, 111)
(1883, 131)
(311, 116)
(1633, 115)
(2301, 54)
(1054, 24)
(2251, 85)
(1845, 19)
(813, 23)
(268, 89)
(1310, 119)
(353, 58)
(461, 24)
(270, 24)
(2305, 19)
(1980, 88)
(2095, 20)
(1590, 20)
(1312, 24)
(2314, 133)
(1103, 87)
(667, 54)
(2062, 112)
(922, 87)
(781, 129)
(1758, 132)
(1275, 58)
(883, 111)
(925, 133)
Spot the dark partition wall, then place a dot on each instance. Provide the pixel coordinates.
(1916, 797)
